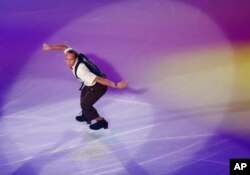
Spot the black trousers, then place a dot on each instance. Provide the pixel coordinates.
(89, 96)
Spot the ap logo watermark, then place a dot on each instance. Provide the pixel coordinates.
(239, 166)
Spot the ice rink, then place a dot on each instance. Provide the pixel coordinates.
(186, 110)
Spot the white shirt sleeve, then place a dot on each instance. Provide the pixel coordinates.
(85, 75)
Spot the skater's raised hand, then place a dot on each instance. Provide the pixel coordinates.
(46, 47)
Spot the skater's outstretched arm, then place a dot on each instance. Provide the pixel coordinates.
(106, 82)
(47, 47)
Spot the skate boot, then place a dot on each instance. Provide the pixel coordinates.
(99, 125)
(82, 118)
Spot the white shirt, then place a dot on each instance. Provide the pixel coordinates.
(84, 74)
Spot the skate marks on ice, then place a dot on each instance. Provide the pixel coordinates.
(105, 148)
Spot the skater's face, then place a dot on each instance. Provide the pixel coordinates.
(70, 59)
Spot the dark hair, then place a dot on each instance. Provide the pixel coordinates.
(73, 52)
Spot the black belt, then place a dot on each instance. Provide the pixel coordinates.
(103, 76)
(81, 87)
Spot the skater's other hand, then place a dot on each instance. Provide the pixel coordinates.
(122, 84)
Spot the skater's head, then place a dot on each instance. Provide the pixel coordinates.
(70, 56)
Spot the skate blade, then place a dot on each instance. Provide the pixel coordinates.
(100, 132)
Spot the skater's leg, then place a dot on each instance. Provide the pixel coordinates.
(89, 96)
